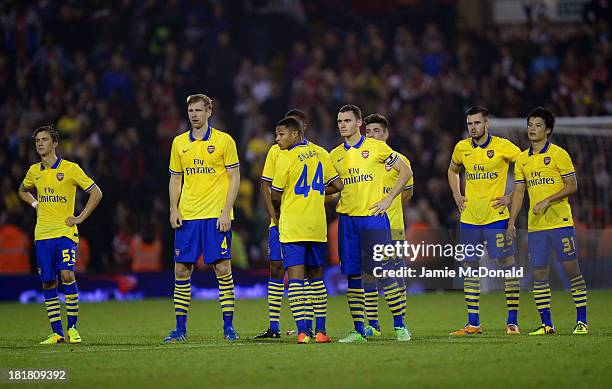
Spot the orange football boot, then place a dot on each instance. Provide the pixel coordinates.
(467, 330)
(322, 338)
(303, 338)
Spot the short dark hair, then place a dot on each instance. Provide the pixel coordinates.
(377, 118)
(299, 114)
(290, 123)
(50, 128)
(351, 108)
(477, 109)
(544, 114)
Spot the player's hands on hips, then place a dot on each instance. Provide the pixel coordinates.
(540, 207)
(72, 220)
(460, 201)
(176, 219)
(381, 206)
(502, 202)
(511, 232)
(224, 222)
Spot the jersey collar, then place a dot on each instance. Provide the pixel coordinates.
(356, 146)
(544, 149)
(54, 166)
(206, 134)
(303, 142)
(484, 145)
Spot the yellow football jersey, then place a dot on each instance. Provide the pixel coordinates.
(203, 165)
(486, 172)
(543, 174)
(396, 210)
(268, 169)
(302, 173)
(362, 169)
(56, 192)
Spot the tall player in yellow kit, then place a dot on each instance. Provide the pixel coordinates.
(303, 176)
(377, 127)
(276, 283)
(548, 173)
(54, 181)
(363, 221)
(484, 213)
(204, 181)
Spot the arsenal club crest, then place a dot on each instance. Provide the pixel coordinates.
(60, 176)
(365, 153)
(490, 153)
(211, 149)
(546, 160)
(388, 168)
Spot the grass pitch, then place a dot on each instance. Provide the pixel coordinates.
(121, 347)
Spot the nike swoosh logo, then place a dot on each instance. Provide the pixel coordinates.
(525, 163)
(340, 159)
(37, 178)
(467, 154)
(184, 151)
(572, 253)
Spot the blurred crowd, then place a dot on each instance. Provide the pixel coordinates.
(113, 77)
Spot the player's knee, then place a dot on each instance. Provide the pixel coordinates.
(295, 272)
(507, 261)
(369, 278)
(276, 269)
(182, 270)
(314, 272)
(50, 285)
(540, 273)
(470, 264)
(572, 269)
(222, 267)
(67, 276)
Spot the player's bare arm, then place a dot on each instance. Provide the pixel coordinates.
(224, 223)
(266, 188)
(503, 201)
(570, 187)
(26, 196)
(405, 173)
(334, 187)
(518, 195)
(174, 189)
(407, 195)
(276, 202)
(95, 195)
(454, 181)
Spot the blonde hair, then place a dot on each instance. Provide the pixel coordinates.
(191, 99)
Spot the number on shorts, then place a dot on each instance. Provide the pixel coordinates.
(501, 240)
(568, 244)
(69, 256)
(224, 244)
